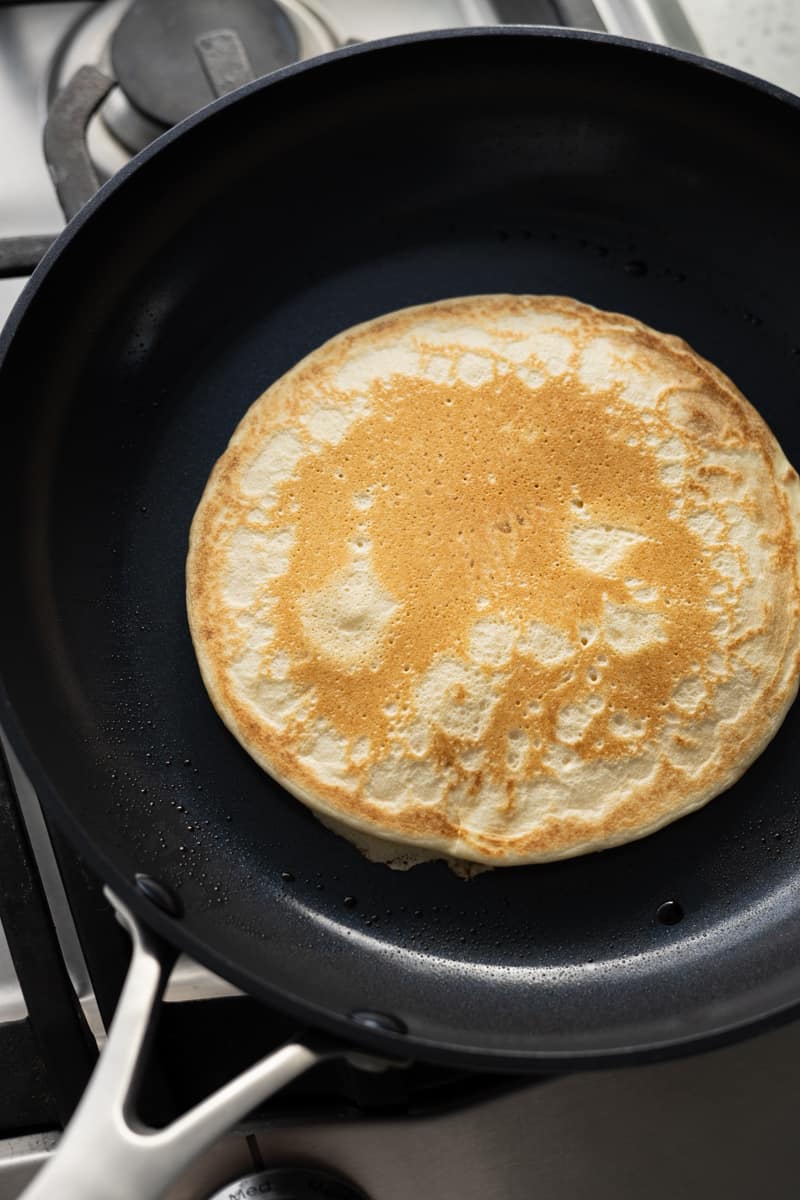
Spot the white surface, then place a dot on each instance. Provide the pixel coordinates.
(27, 40)
(367, 19)
(28, 202)
(762, 38)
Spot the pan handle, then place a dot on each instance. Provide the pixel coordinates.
(107, 1153)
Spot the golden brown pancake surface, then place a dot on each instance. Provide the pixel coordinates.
(506, 577)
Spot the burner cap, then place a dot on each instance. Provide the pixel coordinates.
(292, 1183)
(171, 57)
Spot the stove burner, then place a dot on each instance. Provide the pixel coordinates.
(171, 57)
(292, 1183)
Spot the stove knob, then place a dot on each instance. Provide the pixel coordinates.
(290, 1183)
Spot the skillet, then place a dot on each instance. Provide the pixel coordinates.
(635, 178)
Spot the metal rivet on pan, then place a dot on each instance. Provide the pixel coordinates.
(159, 894)
(381, 1021)
(670, 912)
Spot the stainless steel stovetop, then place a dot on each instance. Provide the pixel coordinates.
(719, 1124)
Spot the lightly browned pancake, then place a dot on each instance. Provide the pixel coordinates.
(504, 577)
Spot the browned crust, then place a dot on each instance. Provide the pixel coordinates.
(671, 794)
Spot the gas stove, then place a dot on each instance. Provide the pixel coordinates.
(96, 82)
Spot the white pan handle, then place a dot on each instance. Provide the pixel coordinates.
(106, 1153)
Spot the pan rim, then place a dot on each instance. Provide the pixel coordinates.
(395, 1045)
(319, 62)
(446, 1052)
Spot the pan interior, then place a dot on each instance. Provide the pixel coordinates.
(634, 181)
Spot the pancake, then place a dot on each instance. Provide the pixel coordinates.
(509, 578)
